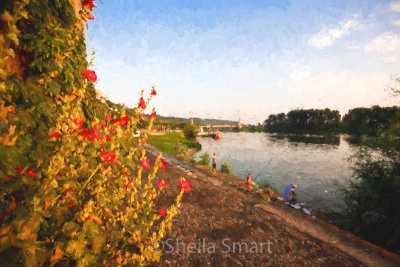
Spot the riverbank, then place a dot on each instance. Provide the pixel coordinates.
(216, 213)
(175, 144)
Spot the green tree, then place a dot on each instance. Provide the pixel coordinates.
(371, 198)
(190, 130)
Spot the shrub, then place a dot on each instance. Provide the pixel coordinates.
(192, 143)
(190, 130)
(72, 190)
(226, 168)
(204, 159)
(371, 207)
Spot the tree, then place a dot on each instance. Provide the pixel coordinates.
(371, 198)
(190, 130)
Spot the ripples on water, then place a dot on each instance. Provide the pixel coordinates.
(312, 162)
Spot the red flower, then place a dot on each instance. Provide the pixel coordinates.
(70, 92)
(87, 218)
(153, 92)
(163, 212)
(153, 114)
(107, 117)
(31, 174)
(184, 185)
(146, 163)
(69, 190)
(91, 17)
(91, 75)
(124, 120)
(95, 134)
(71, 204)
(113, 131)
(89, 4)
(97, 111)
(20, 169)
(85, 133)
(7, 178)
(109, 157)
(78, 122)
(128, 184)
(107, 137)
(55, 134)
(142, 103)
(162, 184)
(163, 164)
(58, 76)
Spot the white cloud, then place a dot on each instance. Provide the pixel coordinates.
(395, 6)
(390, 59)
(353, 47)
(385, 43)
(327, 37)
(299, 75)
(396, 22)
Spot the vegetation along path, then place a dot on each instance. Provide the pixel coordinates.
(221, 224)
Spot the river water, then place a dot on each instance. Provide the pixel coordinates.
(313, 163)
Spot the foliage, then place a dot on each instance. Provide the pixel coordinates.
(204, 159)
(190, 131)
(371, 207)
(371, 121)
(226, 168)
(174, 143)
(304, 121)
(72, 190)
(252, 129)
(179, 123)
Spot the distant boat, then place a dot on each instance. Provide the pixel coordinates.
(215, 135)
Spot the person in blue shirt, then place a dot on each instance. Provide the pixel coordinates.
(214, 162)
(290, 194)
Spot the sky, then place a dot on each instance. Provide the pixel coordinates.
(246, 59)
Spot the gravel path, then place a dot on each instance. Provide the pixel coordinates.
(222, 225)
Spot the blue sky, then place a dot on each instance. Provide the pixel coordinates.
(247, 59)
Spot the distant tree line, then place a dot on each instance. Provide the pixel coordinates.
(304, 120)
(359, 121)
(371, 121)
(179, 123)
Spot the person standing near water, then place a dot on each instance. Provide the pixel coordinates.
(214, 162)
(249, 183)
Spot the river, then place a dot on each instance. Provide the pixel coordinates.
(313, 163)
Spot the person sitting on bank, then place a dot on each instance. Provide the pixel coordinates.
(290, 194)
(214, 162)
(249, 183)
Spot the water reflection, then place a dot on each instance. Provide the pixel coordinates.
(312, 162)
(329, 139)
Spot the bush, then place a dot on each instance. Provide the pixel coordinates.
(190, 130)
(371, 199)
(192, 143)
(72, 190)
(204, 159)
(226, 168)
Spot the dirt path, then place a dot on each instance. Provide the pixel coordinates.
(222, 225)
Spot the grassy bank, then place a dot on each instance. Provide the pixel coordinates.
(175, 144)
